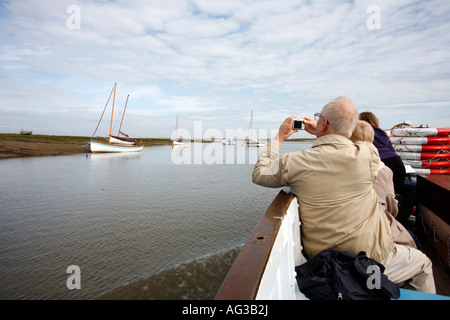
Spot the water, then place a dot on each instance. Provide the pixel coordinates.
(139, 226)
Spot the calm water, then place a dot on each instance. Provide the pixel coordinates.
(162, 224)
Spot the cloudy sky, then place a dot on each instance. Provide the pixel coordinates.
(215, 61)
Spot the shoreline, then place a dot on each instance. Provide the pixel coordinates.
(14, 145)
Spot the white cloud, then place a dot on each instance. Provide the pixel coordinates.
(221, 59)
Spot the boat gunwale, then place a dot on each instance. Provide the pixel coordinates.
(243, 280)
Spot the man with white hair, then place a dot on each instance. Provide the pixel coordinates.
(333, 183)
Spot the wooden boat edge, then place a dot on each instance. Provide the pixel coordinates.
(243, 280)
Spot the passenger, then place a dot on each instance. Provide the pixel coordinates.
(402, 186)
(386, 151)
(384, 187)
(333, 183)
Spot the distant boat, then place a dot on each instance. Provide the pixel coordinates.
(229, 141)
(22, 132)
(116, 143)
(176, 140)
(253, 142)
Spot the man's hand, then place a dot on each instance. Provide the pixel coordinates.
(286, 130)
(310, 125)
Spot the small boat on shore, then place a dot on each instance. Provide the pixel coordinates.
(115, 143)
(265, 267)
(26, 133)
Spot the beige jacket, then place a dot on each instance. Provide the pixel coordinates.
(384, 187)
(332, 180)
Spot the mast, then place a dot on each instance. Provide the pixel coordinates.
(251, 127)
(112, 112)
(176, 130)
(123, 114)
(251, 123)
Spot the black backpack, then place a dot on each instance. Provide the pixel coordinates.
(334, 275)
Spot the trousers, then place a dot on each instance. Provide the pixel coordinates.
(406, 264)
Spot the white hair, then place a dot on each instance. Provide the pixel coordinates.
(342, 116)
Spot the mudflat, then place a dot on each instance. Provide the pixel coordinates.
(17, 145)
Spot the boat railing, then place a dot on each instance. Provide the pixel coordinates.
(259, 272)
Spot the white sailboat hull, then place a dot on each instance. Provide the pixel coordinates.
(254, 143)
(228, 142)
(98, 147)
(177, 143)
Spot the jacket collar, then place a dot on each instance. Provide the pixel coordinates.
(333, 139)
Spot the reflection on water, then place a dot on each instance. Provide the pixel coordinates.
(138, 225)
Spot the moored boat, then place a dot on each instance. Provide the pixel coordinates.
(25, 133)
(177, 141)
(97, 147)
(115, 143)
(229, 141)
(251, 141)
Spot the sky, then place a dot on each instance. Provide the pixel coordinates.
(213, 62)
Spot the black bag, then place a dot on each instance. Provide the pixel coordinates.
(334, 275)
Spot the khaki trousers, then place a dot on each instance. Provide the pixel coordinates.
(410, 265)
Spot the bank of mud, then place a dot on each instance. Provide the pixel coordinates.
(17, 145)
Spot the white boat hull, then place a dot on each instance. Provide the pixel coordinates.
(254, 143)
(98, 147)
(228, 142)
(177, 143)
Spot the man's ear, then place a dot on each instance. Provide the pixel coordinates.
(324, 125)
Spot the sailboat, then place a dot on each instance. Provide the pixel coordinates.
(253, 142)
(229, 141)
(115, 143)
(176, 140)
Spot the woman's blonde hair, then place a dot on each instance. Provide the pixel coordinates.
(363, 132)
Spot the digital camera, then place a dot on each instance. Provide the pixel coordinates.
(298, 124)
